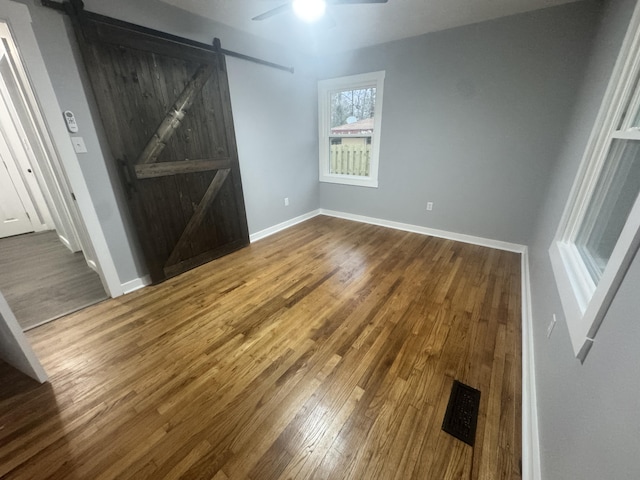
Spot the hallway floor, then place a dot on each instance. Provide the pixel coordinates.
(42, 280)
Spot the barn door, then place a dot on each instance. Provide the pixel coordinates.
(165, 105)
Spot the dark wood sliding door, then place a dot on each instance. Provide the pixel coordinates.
(164, 102)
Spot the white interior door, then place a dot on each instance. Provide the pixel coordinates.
(14, 219)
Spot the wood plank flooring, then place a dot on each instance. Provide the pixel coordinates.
(326, 351)
(42, 280)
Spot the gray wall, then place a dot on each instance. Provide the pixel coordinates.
(266, 102)
(275, 118)
(589, 415)
(472, 120)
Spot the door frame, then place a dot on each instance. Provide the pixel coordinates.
(23, 120)
(12, 168)
(15, 155)
(14, 345)
(63, 158)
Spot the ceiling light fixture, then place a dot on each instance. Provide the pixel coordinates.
(309, 10)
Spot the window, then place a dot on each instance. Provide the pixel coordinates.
(350, 115)
(600, 229)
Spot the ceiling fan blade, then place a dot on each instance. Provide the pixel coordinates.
(355, 2)
(274, 11)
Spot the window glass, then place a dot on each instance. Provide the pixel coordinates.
(353, 108)
(351, 129)
(608, 210)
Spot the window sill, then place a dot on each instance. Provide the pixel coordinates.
(574, 295)
(350, 180)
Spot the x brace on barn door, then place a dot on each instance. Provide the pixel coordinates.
(146, 166)
(157, 143)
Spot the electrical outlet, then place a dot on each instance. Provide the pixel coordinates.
(552, 324)
(429, 206)
(286, 201)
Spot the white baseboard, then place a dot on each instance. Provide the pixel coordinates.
(530, 435)
(92, 265)
(459, 237)
(65, 242)
(282, 226)
(136, 284)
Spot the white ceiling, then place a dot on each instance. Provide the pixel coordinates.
(355, 26)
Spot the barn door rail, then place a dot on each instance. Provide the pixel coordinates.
(76, 7)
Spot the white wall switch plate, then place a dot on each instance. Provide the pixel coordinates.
(429, 206)
(78, 144)
(286, 201)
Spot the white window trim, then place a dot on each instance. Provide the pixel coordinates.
(585, 304)
(325, 87)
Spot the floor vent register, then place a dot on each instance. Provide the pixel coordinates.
(461, 418)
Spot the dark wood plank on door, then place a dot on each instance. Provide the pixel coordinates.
(167, 115)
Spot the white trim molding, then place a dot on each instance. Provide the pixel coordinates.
(530, 436)
(136, 284)
(459, 237)
(254, 237)
(15, 348)
(407, 227)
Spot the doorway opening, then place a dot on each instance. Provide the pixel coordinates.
(48, 267)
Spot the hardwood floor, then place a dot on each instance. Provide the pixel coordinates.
(42, 280)
(326, 351)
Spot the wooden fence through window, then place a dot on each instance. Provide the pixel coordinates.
(350, 159)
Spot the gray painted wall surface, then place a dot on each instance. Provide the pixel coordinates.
(589, 415)
(472, 120)
(275, 116)
(275, 162)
